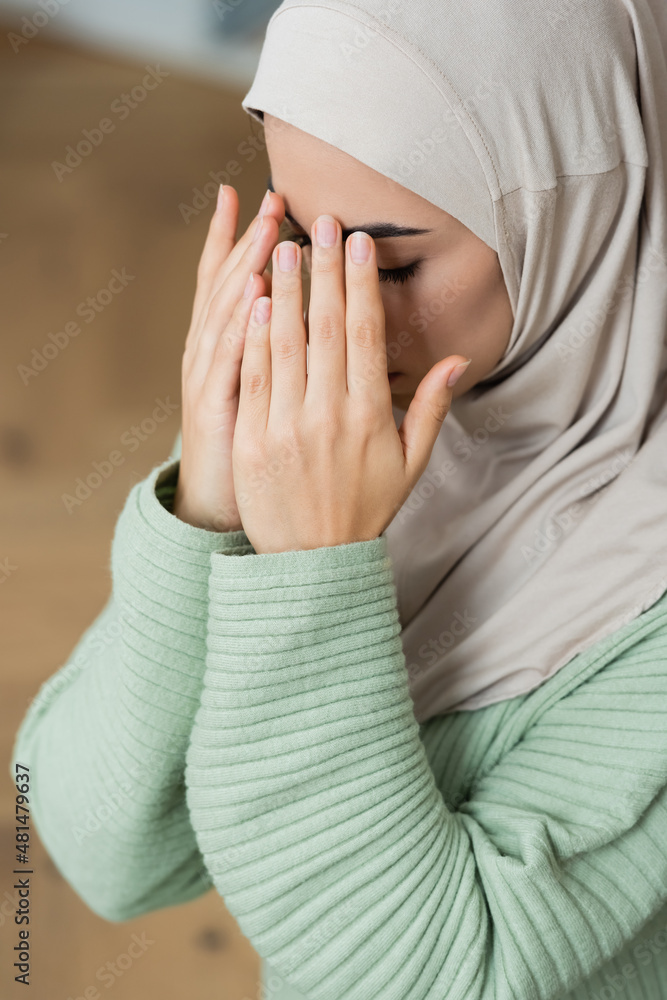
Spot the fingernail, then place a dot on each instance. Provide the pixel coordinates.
(262, 310)
(221, 197)
(258, 229)
(457, 372)
(248, 286)
(265, 203)
(286, 256)
(360, 248)
(325, 231)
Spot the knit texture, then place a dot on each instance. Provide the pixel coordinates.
(246, 723)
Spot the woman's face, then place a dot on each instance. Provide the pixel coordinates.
(455, 302)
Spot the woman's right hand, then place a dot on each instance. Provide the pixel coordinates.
(212, 358)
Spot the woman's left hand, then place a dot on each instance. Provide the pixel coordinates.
(317, 457)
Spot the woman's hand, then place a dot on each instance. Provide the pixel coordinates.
(318, 460)
(211, 366)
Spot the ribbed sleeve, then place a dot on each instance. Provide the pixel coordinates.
(106, 735)
(319, 818)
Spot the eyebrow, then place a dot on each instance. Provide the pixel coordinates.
(376, 230)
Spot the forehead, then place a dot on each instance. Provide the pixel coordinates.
(315, 177)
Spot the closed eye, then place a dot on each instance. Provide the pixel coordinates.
(397, 275)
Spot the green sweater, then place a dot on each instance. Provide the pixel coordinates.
(246, 723)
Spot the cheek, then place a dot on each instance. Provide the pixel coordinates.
(434, 314)
(409, 323)
(422, 308)
(458, 297)
(453, 305)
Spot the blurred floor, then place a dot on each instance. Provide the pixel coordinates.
(60, 242)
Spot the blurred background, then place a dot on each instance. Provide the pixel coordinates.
(104, 240)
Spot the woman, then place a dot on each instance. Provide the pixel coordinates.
(386, 659)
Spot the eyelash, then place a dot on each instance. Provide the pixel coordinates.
(397, 275)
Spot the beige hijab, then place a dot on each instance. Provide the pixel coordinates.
(540, 524)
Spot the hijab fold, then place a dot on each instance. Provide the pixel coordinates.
(540, 523)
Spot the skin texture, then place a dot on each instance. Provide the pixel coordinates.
(458, 268)
(237, 414)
